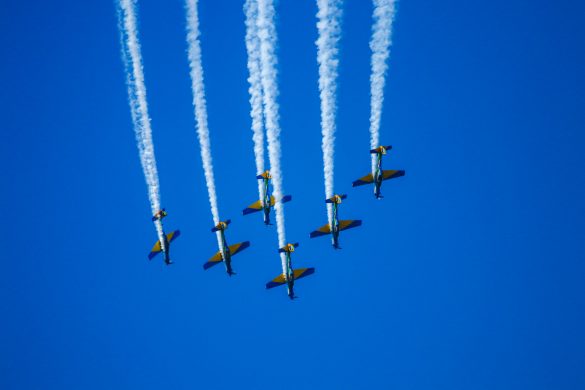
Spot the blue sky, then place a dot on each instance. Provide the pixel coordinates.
(468, 275)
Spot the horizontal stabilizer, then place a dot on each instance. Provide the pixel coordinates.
(217, 227)
(264, 175)
(368, 179)
(159, 215)
(391, 174)
(322, 231)
(285, 248)
(332, 199)
(348, 224)
(378, 149)
(254, 207)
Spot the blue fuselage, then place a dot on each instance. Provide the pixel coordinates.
(378, 176)
(226, 254)
(266, 203)
(166, 250)
(290, 276)
(335, 226)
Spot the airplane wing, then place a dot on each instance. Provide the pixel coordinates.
(391, 174)
(348, 224)
(368, 179)
(278, 281)
(256, 206)
(216, 259)
(302, 272)
(286, 198)
(155, 250)
(172, 235)
(236, 248)
(322, 231)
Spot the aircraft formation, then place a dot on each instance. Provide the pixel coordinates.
(261, 43)
(266, 205)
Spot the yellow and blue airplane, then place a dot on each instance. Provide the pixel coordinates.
(336, 225)
(165, 247)
(226, 251)
(379, 175)
(268, 200)
(291, 275)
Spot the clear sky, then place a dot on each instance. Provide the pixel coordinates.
(467, 275)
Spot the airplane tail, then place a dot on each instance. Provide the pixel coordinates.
(217, 227)
(332, 199)
(284, 248)
(387, 148)
(264, 175)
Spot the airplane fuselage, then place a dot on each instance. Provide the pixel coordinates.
(290, 277)
(226, 254)
(166, 250)
(266, 203)
(378, 177)
(335, 227)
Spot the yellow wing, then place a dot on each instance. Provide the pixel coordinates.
(348, 224)
(364, 180)
(256, 206)
(239, 247)
(391, 174)
(156, 248)
(216, 259)
(323, 230)
(302, 272)
(278, 281)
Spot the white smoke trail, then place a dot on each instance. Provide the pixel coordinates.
(255, 90)
(200, 105)
(132, 58)
(328, 25)
(268, 61)
(380, 45)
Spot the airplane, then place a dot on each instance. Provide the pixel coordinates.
(291, 275)
(268, 200)
(159, 215)
(157, 248)
(226, 252)
(379, 174)
(336, 226)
